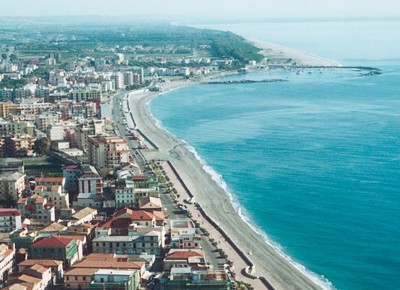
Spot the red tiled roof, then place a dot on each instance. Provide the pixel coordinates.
(72, 166)
(46, 263)
(9, 212)
(49, 179)
(139, 177)
(109, 264)
(141, 215)
(117, 223)
(53, 242)
(159, 215)
(183, 254)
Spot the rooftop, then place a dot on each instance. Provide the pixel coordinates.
(53, 242)
(9, 212)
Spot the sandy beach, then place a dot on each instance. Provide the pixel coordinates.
(267, 261)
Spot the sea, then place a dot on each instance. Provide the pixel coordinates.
(313, 163)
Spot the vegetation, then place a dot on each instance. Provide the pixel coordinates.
(9, 83)
(41, 146)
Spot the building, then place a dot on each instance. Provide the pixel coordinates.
(88, 128)
(11, 165)
(85, 215)
(186, 278)
(16, 128)
(7, 261)
(10, 220)
(79, 278)
(115, 280)
(46, 119)
(37, 277)
(56, 248)
(183, 234)
(55, 266)
(19, 145)
(182, 258)
(54, 195)
(90, 180)
(89, 200)
(106, 151)
(5, 109)
(12, 184)
(140, 240)
(125, 194)
(85, 95)
(36, 207)
(110, 261)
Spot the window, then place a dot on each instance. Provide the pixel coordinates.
(76, 278)
(84, 278)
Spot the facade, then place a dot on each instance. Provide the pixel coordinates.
(19, 145)
(182, 258)
(11, 165)
(106, 151)
(78, 278)
(16, 128)
(56, 248)
(44, 120)
(183, 234)
(55, 266)
(90, 180)
(149, 240)
(114, 280)
(89, 200)
(12, 184)
(125, 194)
(54, 194)
(36, 207)
(10, 220)
(7, 261)
(185, 278)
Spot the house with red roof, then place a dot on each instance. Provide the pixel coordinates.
(182, 258)
(56, 248)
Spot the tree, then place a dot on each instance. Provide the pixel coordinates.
(4, 56)
(41, 146)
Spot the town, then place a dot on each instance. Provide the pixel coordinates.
(82, 205)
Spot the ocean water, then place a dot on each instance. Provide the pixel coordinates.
(314, 162)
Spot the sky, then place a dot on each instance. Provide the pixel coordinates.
(204, 9)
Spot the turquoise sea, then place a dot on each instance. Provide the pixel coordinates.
(314, 162)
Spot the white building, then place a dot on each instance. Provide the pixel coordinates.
(7, 261)
(12, 184)
(10, 220)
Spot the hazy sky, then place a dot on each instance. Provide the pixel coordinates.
(204, 9)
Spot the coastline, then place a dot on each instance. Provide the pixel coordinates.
(268, 260)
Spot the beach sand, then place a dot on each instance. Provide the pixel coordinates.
(268, 262)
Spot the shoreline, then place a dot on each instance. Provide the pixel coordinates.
(280, 270)
(269, 261)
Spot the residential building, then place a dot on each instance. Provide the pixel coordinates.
(50, 181)
(10, 220)
(110, 261)
(125, 193)
(106, 151)
(56, 248)
(55, 266)
(89, 200)
(149, 203)
(12, 184)
(140, 240)
(11, 165)
(79, 278)
(115, 280)
(37, 277)
(85, 215)
(182, 258)
(19, 145)
(16, 128)
(5, 109)
(7, 261)
(36, 207)
(46, 119)
(183, 234)
(54, 195)
(186, 278)
(90, 180)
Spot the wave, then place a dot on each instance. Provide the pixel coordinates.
(320, 280)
